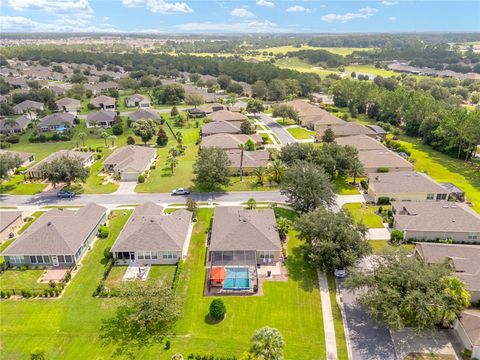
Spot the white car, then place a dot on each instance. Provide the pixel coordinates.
(180, 191)
(340, 273)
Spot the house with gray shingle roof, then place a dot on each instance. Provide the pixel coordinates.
(11, 126)
(361, 143)
(467, 327)
(59, 238)
(26, 157)
(103, 102)
(250, 161)
(225, 115)
(101, 118)
(229, 141)
(138, 100)
(57, 122)
(384, 159)
(241, 234)
(314, 117)
(221, 127)
(86, 158)
(432, 220)
(152, 237)
(10, 222)
(144, 114)
(129, 162)
(69, 105)
(348, 129)
(27, 105)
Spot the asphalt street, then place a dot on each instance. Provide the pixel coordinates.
(280, 132)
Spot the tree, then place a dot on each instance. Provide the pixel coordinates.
(246, 128)
(224, 81)
(235, 88)
(401, 291)
(268, 344)
(8, 163)
(255, 106)
(174, 111)
(130, 140)
(307, 187)
(52, 105)
(179, 137)
(169, 94)
(286, 112)
(194, 99)
(283, 226)
(260, 173)
(64, 169)
(212, 168)
(276, 90)
(112, 139)
(162, 138)
(217, 309)
(145, 129)
(328, 136)
(276, 171)
(396, 237)
(104, 135)
(250, 145)
(251, 204)
(147, 313)
(356, 169)
(259, 89)
(172, 161)
(332, 240)
(82, 136)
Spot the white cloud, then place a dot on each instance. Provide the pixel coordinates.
(51, 6)
(160, 6)
(363, 13)
(392, 18)
(299, 8)
(23, 24)
(242, 12)
(265, 3)
(241, 27)
(389, 3)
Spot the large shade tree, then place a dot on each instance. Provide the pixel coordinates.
(267, 344)
(212, 168)
(145, 129)
(65, 170)
(8, 163)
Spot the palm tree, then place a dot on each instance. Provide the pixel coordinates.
(456, 298)
(35, 124)
(259, 172)
(82, 137)
(173, 162)
(277, 171)
(112, 138)
(10, 122)
(179, 137)
(242, 149)
(356, 169)
(104, 135)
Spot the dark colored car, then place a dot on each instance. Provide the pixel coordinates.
(66, 194)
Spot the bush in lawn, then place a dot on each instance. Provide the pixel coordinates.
(37, 354)
(383, 200)
(117, 129)
(103, 232)
(364, 184)
(13, 139)
(217, 309)
(141, 179)
(68, 277)
(106, 252)
(383, 170)
(167, 345)
(98, 156)
(396, 237)
(130, 140)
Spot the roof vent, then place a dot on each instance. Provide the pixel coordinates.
(49, 223)
(453, 220)
(445, 206)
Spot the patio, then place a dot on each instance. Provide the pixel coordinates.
(55, 275)
(136, 272)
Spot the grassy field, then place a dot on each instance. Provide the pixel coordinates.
(370, 69)
(300, 133)
(293, 307)
(302, 66)
(366, 214)
(342, 187)
(22, 279)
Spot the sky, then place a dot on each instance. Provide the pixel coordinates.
(253, 16)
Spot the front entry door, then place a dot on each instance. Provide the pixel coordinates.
(54, 260)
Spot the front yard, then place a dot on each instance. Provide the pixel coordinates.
(368, 214)
(300, 133)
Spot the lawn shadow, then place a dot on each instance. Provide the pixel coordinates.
(299, 270)
(209, 321)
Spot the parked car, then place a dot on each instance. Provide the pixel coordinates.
(340, 273)
(66, 194)
(180, 191)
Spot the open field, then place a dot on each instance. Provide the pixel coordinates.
(334, 50)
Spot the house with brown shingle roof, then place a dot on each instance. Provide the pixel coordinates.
(59, 238)
(221, 127)
(383, 159)
(314, 117)
(348, 129)
(69, 105)
(467, 327)
(229, 141)
(12, 126)
(251, 160)
(57, 122)
(144, 114)
(361, 143)
(138, 100)
(86, 158)
(152, 237)
(26, 157)
(225, 115)
(103, 102)
(129, 162)
(27, 105)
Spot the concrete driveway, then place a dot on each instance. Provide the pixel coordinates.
(126, 187)
(280, 132)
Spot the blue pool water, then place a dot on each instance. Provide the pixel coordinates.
(237, 279)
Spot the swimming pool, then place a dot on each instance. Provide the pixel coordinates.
(237, 279)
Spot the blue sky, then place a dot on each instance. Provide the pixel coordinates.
(254, 16)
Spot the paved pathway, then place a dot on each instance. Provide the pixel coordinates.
(329, 328)
(126, 187)
(347, 199)
(378, 234)
(280, 132)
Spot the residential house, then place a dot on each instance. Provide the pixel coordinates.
(214, 107)
(314, 117)
(58, 90)
(373, 161)
(59, 238)
(101, 86)
(12, 126)
(250, 161)
(196, 112)
(26, 106)
(26, 157)
(10, 222)
(103, 102)
(144, 114)
(220, 127)
(137, 100)
(57, 122)
(229, 141)
(432, 220)
(17, 82)
(455, 192)
(152, 237)
(467, 327)
(348, 129)
(239, 235)
(101, 118)
(405, 186)
(130, 162)
(87, 159)
(462, 258)
(225, 115)
(361, 143)
(69, 105)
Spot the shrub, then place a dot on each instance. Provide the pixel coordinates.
(13, 139)
(383, 170)
(103, 232)
(130, 140)
(106, 252)
(383, 200)
(396, 237)
(117, 129)
(37, 354)
(167, 345)
(217, 309)
(141, 179)
(98, 156)
(364, 184)
(68, 276)
(24, 267)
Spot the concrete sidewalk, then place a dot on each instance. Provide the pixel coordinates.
(329, 328)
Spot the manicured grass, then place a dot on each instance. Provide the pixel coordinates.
(157, 273)
(249, 183)
(293, 307)
(371, 69)
(366, 214)
(341, 341)
(71, 323)
(301, 133)
(381, 246)
(95, 183)
(342, 187)
(302, 66)
(286, 122)
(21, 279)
(16, 186)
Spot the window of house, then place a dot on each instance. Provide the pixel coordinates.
(140, 255)
(429, 196)
(16, 259)
(40, 259)
(147, 255)
(169, 255)
(46, 259)
(68, 258)
(154, 255)
(472, 236)
(61, 258)
(33, 259)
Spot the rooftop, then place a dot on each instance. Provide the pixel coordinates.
(404, 182)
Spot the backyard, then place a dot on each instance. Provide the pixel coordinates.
(157, 273)
(13, 279)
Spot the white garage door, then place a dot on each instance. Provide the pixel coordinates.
(130, 176)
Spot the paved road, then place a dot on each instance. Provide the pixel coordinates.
(137, 198)
(280, 132)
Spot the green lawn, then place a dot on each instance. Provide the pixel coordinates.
(16, 186)
(95, 183)
(286, 122)
(293, 307)
(157, 273)
(342, 187)
(381, 246)
(21, 279)
(366, 214)
(371, 69)
(301, 133)
(341, 341)
(249, 183)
